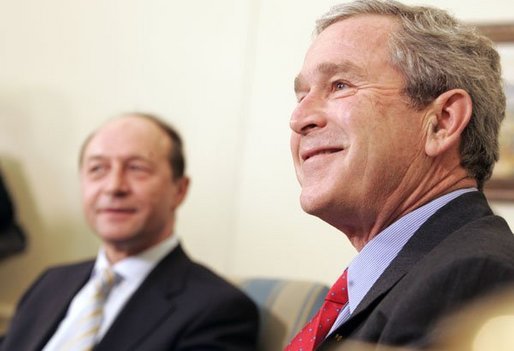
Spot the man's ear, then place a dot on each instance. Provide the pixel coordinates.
(182, 186)
(449, 115)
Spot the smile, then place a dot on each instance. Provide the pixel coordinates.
(317, 152)
(117, 210)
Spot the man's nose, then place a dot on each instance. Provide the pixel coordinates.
(116, 182)
(308, 115)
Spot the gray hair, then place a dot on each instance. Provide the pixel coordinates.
(435, 53)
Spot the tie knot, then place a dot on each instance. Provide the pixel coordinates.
(105, 281)
(338, 293)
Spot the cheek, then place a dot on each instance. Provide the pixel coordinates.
(89, 205)
(89, 194)
(295, 146)
(155, 193)
(93, 195)
(294, 143)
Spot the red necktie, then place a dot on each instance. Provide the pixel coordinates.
(317, 329)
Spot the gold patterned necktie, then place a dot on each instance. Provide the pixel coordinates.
(89, 322)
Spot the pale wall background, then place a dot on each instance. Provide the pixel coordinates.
(221, 71)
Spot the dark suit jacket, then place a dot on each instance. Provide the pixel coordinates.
(180, 306)
(461, 253)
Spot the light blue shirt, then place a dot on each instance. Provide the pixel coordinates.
(379, 252)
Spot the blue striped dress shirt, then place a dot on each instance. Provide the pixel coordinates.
(375, 257)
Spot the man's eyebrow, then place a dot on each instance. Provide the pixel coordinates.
(93, 158)
(128, 158)
(329, 69)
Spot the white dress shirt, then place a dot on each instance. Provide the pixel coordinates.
(130, 273)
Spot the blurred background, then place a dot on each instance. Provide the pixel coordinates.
(220, 71)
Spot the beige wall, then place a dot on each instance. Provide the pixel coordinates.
(67, 66)
(221, 71)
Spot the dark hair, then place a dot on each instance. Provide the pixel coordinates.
(176, 153)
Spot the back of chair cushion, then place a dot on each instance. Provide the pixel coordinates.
(285, 307)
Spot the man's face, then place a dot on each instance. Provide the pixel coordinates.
(129, 195)
(355, 140)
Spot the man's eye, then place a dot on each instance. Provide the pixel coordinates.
(138, 168)
(340, 85)
(92, 169)
(96, 170)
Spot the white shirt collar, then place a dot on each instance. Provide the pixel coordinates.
(138, 266)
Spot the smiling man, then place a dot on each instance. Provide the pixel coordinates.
(142, 292)
(394, 134)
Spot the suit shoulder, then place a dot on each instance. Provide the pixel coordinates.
(72, 266)
(67, 269)
(199, 276)
(205, 277)
(54, 276)
(485, 239)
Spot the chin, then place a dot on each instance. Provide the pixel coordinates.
(312, 204)
(118, 241)
(116, 235)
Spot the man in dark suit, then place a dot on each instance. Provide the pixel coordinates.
(394, 134)
(153, 297)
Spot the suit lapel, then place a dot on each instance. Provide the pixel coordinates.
(55, 309)
(152, 301)
(446, 220)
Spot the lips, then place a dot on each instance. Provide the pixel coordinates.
(117, 210)
(305, 155)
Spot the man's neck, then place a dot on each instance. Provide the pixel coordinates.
(396, 207)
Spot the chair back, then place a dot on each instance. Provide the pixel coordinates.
(285, 306)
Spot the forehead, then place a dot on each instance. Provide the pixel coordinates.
(357, 45)
(129, 137)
